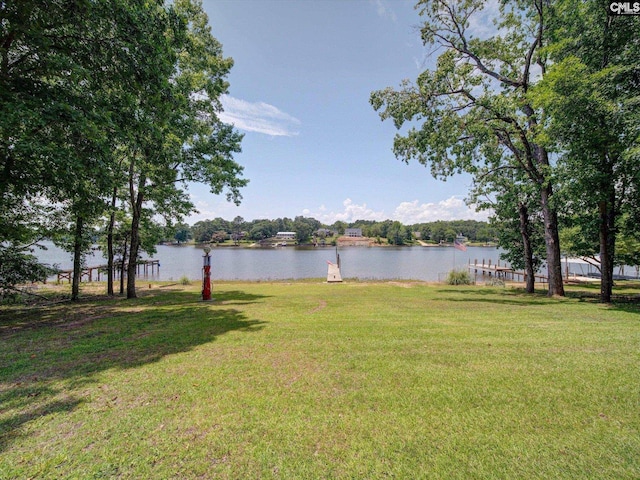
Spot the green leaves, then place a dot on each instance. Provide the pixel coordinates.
(97, 96)
(589, 95)
(472, 114)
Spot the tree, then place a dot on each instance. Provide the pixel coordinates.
(474, 108)
(237, 234)
(517, 219)
(590, 96)
(262, 229)
(304, 228)
(17, 267)
(185, 140)
(339, 226)
(396, 234)
(116, 244)
(182, 233)
(628, 250)
(204, 229)
(516, 216)
(219, 236)
(67, 68)
(97, 96)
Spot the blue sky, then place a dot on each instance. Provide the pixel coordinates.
(299, 91)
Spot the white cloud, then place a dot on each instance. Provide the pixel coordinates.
(350, 213)
(408, 213)
(205, 211)
(383, 10)
(453, 208)
(258, 117)
(481, 24)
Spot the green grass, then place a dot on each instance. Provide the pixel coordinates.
(311, 380)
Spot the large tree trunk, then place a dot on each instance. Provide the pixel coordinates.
(133, 257)
(528, 252)
(607, 234)
(136, 213)
(550, 217)
(552, 242)
(77, 259)
(112, 220)
(133, 254)
(606, 265)
(123, 264)
(136, 199)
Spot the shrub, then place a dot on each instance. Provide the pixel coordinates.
(459, 277)
(494, 282)
(19, 267)
(184, 280)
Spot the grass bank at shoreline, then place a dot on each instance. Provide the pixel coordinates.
(315, 380)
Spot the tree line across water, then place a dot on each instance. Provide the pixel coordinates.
(309, 230)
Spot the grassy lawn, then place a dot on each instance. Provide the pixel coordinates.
(311, 380)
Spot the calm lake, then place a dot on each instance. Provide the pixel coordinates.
(229, 263)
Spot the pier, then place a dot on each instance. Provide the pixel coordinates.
(89, 273)
(502, 271)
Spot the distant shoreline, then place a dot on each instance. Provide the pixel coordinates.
(362, 242)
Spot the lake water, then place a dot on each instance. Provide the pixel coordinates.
(229, 263)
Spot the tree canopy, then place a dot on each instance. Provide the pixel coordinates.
(471, 114)
(545, 105)
(590, 97)
(108, 105)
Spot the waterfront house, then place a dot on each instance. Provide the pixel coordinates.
(286, 236)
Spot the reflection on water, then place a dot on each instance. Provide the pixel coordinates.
(228, 263)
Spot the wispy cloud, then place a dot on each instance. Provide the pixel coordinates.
(481, 24)
(384, 10)
(258, 117)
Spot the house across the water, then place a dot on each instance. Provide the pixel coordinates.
(286, 235)
(353, 232)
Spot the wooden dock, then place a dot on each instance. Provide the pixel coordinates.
(89, 273)
(501, 271)
(505, 272)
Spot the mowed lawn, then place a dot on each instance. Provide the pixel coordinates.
(311, 380)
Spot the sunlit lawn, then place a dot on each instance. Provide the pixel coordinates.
(311, 380)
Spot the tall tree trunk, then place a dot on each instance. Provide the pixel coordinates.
(133, 256)
(606, 265)
(552, 242)
(528, 252)
(136, 213)
(550, 217)
(123, 264)
(607, 234)
(607, 209)
(112, 221)
(135, 199)
(77, 259)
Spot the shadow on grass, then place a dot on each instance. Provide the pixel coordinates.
(494, 295)
(10, 427)
(70, 343)
(624, 302)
